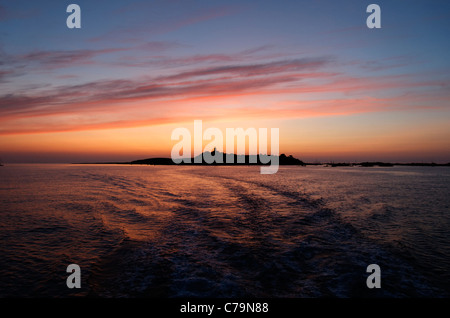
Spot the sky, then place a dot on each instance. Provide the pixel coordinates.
(115, 89)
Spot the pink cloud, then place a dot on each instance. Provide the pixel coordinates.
(127, 103)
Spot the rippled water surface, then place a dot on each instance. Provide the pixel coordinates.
(163, 231)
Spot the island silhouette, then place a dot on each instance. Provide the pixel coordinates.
(237, 160)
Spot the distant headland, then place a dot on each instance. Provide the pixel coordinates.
(381, 164)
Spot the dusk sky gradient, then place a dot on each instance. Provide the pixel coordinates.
(116, 88)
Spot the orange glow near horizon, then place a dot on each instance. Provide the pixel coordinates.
(323, 138)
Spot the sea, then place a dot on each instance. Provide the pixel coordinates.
(224, 231)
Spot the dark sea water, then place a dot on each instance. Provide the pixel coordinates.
(163, 231)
